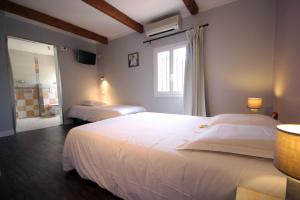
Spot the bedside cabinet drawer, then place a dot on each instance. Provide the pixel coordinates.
(247, 194)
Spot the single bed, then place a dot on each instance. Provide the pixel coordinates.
(100, 112)
(135, 157)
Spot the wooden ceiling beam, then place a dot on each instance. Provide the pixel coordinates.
(49, 20)
(113, 12)
(191, 6)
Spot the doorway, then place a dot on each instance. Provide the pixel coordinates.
(36, 84)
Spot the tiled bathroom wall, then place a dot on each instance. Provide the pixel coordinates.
(27, 101)
(35, 100)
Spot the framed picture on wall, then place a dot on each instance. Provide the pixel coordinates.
(133, 59)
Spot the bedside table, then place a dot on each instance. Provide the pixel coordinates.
(248, 194)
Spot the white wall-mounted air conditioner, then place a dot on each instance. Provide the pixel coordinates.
(163, 26)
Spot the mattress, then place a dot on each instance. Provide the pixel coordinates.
(97, 113)
(135, 157)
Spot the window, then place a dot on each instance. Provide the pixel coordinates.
(169, 66)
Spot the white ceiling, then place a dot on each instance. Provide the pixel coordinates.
(30, 46)
(142, 11)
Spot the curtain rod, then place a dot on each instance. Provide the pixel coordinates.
(149, 41)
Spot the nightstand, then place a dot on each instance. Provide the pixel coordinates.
(248, 194)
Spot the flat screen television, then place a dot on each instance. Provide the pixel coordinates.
(86, 57)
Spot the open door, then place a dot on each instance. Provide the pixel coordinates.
(36, 84)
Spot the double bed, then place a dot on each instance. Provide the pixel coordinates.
(138, 157)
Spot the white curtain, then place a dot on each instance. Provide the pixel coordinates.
(194, 80)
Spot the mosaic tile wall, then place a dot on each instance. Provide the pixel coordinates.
(35, 101)
(27, 102)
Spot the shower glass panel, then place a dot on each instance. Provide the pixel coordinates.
(36, 84)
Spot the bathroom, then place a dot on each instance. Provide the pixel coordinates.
(36, 84)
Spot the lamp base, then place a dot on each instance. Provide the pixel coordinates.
(292, 189)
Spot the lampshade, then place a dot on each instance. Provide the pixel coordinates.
(287, 150)
(255, 103)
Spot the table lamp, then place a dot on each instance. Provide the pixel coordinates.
(287, 157)
(254, 104)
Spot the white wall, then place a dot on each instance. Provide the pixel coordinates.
(239, 61)
(47, 69)
(22, 64)
(23, 67)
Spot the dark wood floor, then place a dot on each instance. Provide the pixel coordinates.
(31, 168)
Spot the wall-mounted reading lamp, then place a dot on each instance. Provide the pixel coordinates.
(102, 78)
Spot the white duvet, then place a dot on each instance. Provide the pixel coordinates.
(97, 113)
(135, 157)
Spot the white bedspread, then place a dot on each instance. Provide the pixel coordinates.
(135, 157)
(97, 113)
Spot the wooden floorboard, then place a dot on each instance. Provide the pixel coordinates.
(31, 168)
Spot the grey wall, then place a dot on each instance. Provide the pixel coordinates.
(239, 52)
(6, 117)
(79, 81)
(287, 61)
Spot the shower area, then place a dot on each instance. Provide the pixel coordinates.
(37, 94)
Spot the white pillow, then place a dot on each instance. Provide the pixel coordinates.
(251, 140)
(244, 119)
(92, 103)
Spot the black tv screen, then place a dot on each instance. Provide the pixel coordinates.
(86, 57)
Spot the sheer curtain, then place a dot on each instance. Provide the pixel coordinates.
(194, 80)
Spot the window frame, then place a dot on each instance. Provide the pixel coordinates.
(171, 47)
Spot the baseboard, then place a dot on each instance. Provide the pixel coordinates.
(7, 133)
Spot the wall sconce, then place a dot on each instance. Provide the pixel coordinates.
(254, 104)
(102, 78)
